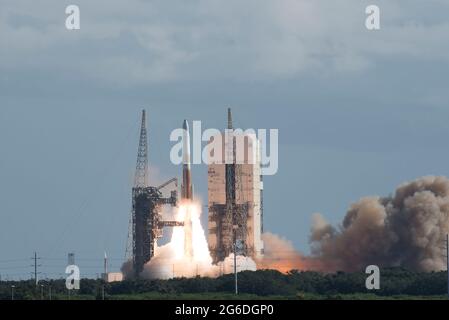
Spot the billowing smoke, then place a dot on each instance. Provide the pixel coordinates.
(173, 260)
(166, 264)
(280, 254)
(407, 229)
(127, 269)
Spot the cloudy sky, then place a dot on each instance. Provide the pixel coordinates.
(358, 111)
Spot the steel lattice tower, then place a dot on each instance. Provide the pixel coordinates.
(141, 175)
(140, 181)
(146, 222)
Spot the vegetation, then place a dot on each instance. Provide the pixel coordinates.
(396, 283)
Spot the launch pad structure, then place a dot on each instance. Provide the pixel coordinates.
(235, 200)
(234, 196)
(146, 225)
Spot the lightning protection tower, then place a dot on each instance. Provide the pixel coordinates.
(147, 202)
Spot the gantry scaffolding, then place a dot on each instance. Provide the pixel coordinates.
(231, 221)
(146, 224)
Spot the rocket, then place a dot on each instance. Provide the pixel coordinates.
(186, 186)
(187, 191)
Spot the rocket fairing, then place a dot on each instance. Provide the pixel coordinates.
(186, 187)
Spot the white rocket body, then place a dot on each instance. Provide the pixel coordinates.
(187, 191)
(186, 187)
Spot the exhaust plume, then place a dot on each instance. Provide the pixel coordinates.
(279, 254)
(176, 259)
(407, 229)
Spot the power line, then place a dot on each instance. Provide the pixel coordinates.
(13, 268)
(12, 260)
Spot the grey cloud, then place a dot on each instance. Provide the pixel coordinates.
(217, 39)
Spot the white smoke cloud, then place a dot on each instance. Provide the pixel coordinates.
(172, 261)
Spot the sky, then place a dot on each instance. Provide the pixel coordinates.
(359, 112)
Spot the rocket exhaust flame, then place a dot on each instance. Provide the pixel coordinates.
(175, 260)
(187, 209)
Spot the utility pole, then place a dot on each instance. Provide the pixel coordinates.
(12, 292)
(35, 265)
(105, 265)
(71, 258)
(35, 268)
(235, 261)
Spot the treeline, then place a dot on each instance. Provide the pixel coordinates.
(393, 281)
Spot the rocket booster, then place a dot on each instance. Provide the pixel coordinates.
(186, 186)
(187, 191)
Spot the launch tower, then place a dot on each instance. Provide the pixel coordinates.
(234, 194)
(146, 219)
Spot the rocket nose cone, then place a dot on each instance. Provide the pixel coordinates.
(185, 125)
(186, 143)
